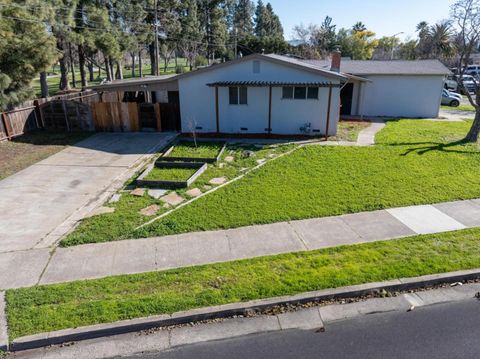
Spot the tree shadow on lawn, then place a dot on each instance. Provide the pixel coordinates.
(434, 146)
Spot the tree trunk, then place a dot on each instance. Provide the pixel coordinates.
(91, 73)
(132, 55)
(81, 64)
(112, 72)
(119, 72)
(64, 84)
(107, 69)
(72, 67)
(153, 60)
(472, 135)
(44, 84)
(140, 68)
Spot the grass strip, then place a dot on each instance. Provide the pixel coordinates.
(170, 174)
(54, 307)
(201, 150)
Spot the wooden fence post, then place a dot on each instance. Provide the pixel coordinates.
(7, 125)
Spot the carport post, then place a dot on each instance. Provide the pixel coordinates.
(269, 109)
(217, 116)
(329, 107)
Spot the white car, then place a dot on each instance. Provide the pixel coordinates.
(451, 99)
(451, 83)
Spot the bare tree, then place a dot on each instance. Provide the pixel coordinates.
(466, 15)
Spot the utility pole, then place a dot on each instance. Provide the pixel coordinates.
(156, 40)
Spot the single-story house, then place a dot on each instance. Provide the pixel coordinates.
(280, 95)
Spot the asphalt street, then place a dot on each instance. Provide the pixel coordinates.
(445, 331)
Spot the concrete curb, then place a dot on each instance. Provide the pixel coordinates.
(3, 324)
(232, 310)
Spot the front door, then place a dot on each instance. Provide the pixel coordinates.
(346, 98)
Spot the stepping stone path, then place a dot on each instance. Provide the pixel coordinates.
(229, 159)
(221, 165)
(139, 192)
(218, 181)
(272, 155)
(194, 192)
(115, 198)
(172, 199)
(150, 210)
(100, 210)
(207, 187)
(262, 160)
(156, 193)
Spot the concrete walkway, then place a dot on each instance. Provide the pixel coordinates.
(455, 115)
(37, 201)
(152, 254)
(366, 137)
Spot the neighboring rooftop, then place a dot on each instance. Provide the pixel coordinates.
(394, 67)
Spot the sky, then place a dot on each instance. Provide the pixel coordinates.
(385, 17)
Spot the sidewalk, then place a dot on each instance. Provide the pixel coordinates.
(153, 254)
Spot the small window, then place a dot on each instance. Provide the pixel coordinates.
(237, 95)
(312, 93)
(300, 93)
(287, 92)
(233, 95)
(256, 67)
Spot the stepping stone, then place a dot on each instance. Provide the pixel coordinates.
(115, 198)
(166, 206)
(157, 193)
(243, 169)
(221, 165)
(229, 159)
(139, 192)
(172, 199)
(262, 160)
(218, 181)
(194, 192)
(100, 210)
(272, 155)
(150, 210)
(207, 187)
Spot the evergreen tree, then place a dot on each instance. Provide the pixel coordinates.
(243, 18)
(260, 14)
(273, 26)
(26, 49)
(192, 33)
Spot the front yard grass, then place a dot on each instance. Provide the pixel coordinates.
(466, 108)
(25, 150)
(54, 307)
(415, 162)
(170, 174)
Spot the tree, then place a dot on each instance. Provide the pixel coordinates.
(359, 45)
(359, 27)
(243, 18)
(324, 38)
(260, 19)
(386, 48)
(213, 21)
(192, 33)
(26, 49)
(465, 15)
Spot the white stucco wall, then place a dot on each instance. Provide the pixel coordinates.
(198, 101)
(401, 96)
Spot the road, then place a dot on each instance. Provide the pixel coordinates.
(446, 331)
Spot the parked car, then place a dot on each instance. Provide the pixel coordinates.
(472, 69)
(469, 83)
(451, 83)
(451, 99)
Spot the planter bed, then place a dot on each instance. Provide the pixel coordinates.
(185, 151)
(171, 175)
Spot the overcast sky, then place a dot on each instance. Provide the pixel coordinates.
(385, 17)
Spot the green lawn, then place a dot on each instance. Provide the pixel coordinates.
(120, 224)
(468, 108)
(200, 150)
(415, 162)
(170, 174)
(25, 150)
(45, 308)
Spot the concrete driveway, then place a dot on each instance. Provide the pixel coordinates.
(38, 199)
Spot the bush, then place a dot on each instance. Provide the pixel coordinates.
(201, 61)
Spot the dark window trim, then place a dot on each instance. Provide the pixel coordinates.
(306, 94)
(238, 102)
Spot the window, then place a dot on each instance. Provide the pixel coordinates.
(287, 92)
(237, 95)
(300, 93)
(312, 93)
